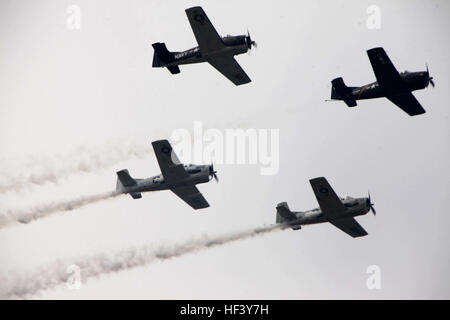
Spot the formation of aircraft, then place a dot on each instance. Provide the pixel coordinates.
(395, 86)
(339, 212)
(217, 51)
(181, 179)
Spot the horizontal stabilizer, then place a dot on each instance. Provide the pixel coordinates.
(135, 195)
(174, 69)
(350, 102)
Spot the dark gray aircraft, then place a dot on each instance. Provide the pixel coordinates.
(212, 48)
(395, 86)
(179, 178)
(339, 212)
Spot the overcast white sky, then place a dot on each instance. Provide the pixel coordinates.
(62, 89)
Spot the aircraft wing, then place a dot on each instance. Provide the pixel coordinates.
(330, 204)
(229, 67)
(387, 76)
(207, 37)
(350, 226)
(408, 103)
(191, 196)
(170, 165)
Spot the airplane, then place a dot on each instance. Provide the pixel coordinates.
(395, 86)
(218, 51)
(175, 176)
(340, 212)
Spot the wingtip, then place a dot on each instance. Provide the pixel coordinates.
(193, 8)
(160, 141)
(282, 204)
(375, 49)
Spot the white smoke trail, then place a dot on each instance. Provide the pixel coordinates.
(17, 175)
(94, 266)
(36, 212)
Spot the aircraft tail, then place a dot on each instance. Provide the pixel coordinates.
(285, 215)
(124, 180)
(162, 56)
(339, 91)
(282, 211)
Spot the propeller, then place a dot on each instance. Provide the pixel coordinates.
(430, 79)
(213, 173)
(249, 41)
(371, 205)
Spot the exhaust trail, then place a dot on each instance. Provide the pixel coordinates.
(37, 212)
(58, 273)
(17, 175)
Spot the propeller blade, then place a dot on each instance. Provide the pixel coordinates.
(249, 40)
(430, 79)
(369, 201)
(212, 172)
(432, 82)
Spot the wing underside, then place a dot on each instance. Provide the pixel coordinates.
(350, 226)
(170, 165)
(192, 196)
(231, 69)
(387, 76)
(206, 35)
(408, 103)
(391, 82)
(329, 202)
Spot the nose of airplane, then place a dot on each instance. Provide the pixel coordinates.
(249, 41)
(428, 78)
(213, 173)
(370, 205)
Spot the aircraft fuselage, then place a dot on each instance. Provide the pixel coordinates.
(197, 174)
(234, 45)
(355, 207)
(412, 80)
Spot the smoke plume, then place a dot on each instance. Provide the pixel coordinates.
(58, 273)
(36, 212)
(16, 175)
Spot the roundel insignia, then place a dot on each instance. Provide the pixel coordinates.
(323, 190)
(165, 150)
(199, 17)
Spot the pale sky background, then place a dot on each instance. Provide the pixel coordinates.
(62, 89)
